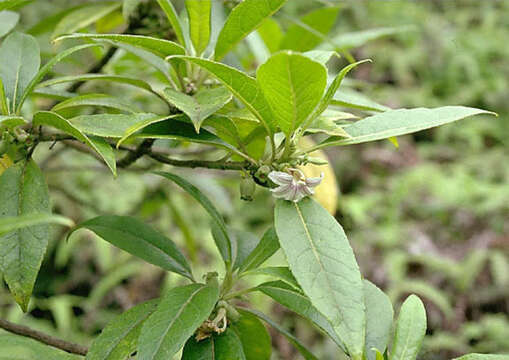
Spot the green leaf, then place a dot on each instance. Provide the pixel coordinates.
(306, 353)
(224, 346)
(199, 106)
(321, 56)
(9, 4)
(16, 347)
(271, 34)
(11, 223)
(334, 86)
(323, 263)
(19, 62)
(410, 330)
(46, 69)
(92, 77)
(84, 16)
(159, 47)
(139, 239)
(225, 245)
(130, 131)
(293, 85)
(119, 339)
(352, 99)
(244, 18)
(355, 39)
(401, 122)
(482, 357)
(310, 31)
(300, 304)
(129, 7)
(244, 243)
(181, 311)
(326, 125)
(8, 20)
(172, 15)
(99, 145)
(379, 316)
(199, 23)
(23, 192)
(11, 121)
(254, 337)
(102, 100)
(267, 247)
(244, 87)
(282, 273)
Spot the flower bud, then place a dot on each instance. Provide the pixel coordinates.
(247, 188)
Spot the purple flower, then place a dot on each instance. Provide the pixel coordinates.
(293, 185)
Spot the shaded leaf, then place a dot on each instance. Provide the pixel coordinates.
(102, 100)
(11, 121)
(199, 106)
(91, 77)
(19, 62)
(379, 316)
(11, 223)
(267, 247)
(139, 239)
(172, 16)
(119, 339)
(180, 312)
(244, 19)
(282, 273)
(58, 122)
(254, 337)
(354, 100)
(224, 346)
(8, 20)
(23, 192)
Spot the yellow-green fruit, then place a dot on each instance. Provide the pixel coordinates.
(327, 192)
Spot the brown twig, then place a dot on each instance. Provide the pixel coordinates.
(44, 338)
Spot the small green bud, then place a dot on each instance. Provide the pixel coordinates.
(262, 173)
(247, 188)
(317, 161)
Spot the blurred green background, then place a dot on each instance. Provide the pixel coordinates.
(431, 217)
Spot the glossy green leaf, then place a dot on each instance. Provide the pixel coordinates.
(244, 18)
(8, 20)
(326, 125)
(300, 304)
(16, 347)
(310, 30)
(355, 100)
(244, 87)
(198, 12)
(92, 77)
(180, 312)
(119, 339)
(410, 330)
(293, 85)
(199, 106)
(23, 191)
(102, 100)
(305, 352)
(224, 346)
(267, 247)
(323, 263)
(271, 34)
(401, 122)
(224, 246)
(19, 62)
(282, 273)
(58, 122)
(253, 335)
(11, 223)
(159, 47)
(172, 16)
(11, 121)
(84, 16)
(139, 239)
(379, 316)
(334, 86)
(47, 68)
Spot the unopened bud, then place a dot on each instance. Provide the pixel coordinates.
(247, 188)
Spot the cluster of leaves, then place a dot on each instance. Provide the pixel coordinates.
(258, 122)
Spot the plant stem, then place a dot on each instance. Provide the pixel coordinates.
(43, 338)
